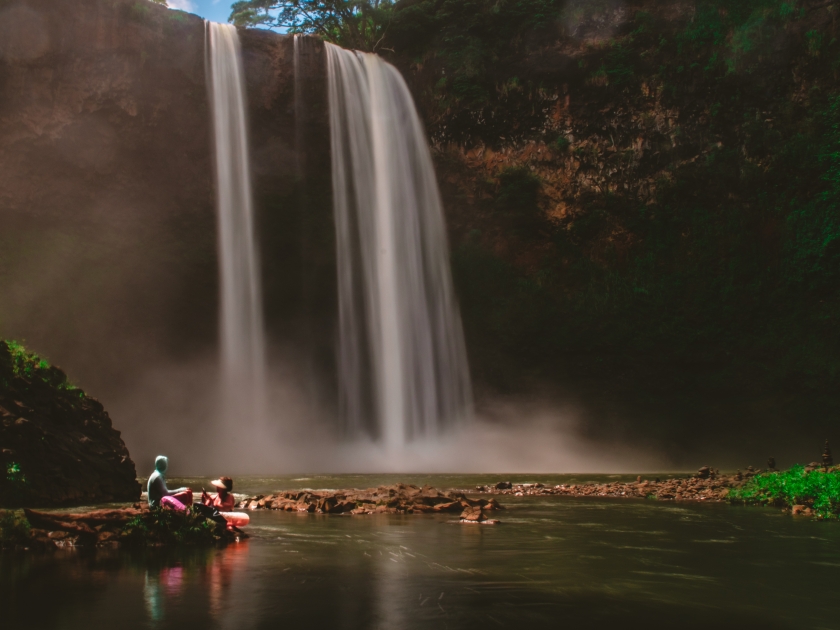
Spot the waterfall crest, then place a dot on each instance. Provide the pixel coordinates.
(242, 334)
(402, 359)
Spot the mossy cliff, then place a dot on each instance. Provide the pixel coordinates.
(58, 445)
(643, 199)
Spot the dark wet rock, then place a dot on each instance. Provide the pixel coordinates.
(57, 439)
(504, 485)
(473, 514)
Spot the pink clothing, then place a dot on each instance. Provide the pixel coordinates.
(179, 501)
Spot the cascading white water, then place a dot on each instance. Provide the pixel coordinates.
(241, 319)
(402, 359)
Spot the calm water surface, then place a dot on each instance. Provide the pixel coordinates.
(554, 562)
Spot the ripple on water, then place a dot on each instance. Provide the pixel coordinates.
(682, 576)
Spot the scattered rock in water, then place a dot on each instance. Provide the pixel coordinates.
(504, 485)
(706, 485)
(58, 444)
(397, 499)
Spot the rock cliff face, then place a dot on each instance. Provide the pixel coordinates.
(107, 216)
(58, 445)
(640, 202)
(638, 194)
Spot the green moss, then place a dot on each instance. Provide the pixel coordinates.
(817, 489)
(29, 365)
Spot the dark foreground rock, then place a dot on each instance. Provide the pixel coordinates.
(397, 499)
(57, 445)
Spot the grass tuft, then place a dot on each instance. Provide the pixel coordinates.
(817, 489)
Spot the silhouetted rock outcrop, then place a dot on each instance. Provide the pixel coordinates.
(58, 445)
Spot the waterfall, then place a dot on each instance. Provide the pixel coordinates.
(402, 360)
(241, 319)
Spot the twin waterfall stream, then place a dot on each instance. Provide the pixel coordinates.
(403, 372)
(242, 333)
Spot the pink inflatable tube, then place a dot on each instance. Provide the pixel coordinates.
(237, 519)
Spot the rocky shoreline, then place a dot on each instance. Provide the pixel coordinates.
(705, 485)
(133, 526)
(396, 499)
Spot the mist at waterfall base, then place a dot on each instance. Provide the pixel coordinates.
(175, 409)
(109, 294)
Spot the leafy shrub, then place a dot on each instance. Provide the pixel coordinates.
(817, 489)
(30, 365)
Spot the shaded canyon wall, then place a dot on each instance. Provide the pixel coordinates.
(108, 260)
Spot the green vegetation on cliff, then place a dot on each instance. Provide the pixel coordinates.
(816, 489)
(641, 192)
(357, 24)
(162, 526)
(58, 444)
(29, 365)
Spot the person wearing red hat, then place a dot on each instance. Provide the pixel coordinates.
(223, 500)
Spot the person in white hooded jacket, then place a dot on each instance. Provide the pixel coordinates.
(160, 495)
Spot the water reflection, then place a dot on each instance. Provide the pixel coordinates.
(214, 573)
(590, 563)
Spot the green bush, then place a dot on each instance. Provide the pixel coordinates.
(816, 489)
(171, 527)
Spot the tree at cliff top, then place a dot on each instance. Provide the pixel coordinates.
(357, 24)
(58, 445)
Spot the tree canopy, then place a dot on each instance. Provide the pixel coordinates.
(358, 24)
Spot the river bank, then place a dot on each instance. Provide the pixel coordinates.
(399, 498)
(705, 485)
(593, 562)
